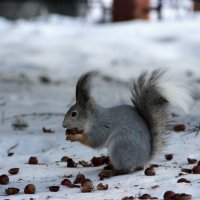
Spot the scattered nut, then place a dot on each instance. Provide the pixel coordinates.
(169, 195)
(183, 196)
(189, 171)
(150, 171)
(84, 163)
(196, 169)
(10, 154)
(30, 189)
(12, 191)
(155, 186)
(67, 182)
(183, 180)
(47, 130)
(97, 161)
(169, 156)
(145, 196)
(86, 185)
(33, 160)
(64, 159)
(191, 161)
(71, 163)
(54, 188)
(4, 179)
(13, 171)
(179, 127)
(128, 198)
(101, 186)
(79, 179)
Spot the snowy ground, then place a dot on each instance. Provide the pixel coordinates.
(59, 50)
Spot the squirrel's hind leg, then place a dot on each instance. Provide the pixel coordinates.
(112, 172)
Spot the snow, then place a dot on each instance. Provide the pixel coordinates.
(61, 49)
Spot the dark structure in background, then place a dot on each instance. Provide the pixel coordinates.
(196, 5)
(124, 10)
(14, 9)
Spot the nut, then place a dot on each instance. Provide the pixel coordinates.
(179, 127)
(54, 188)
(145, 196)
(67, 182)
(13, 171)
(183, 180)
(196, 169)
(101, 186)
(33, 160)
(86, 185)
(64, 159)
(84, 163)
(169, 156)
(128, 198)
(4, 179)
(79, 179)
(169, 195)
(189, 171)
(71, 163)
(191, 161)
(183, 196)
(30, 189)
(47, 130)
(150, 171)
(12, 191)
(97, 161)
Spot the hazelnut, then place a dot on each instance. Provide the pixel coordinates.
(183, 196)
(128, 198)
(150, 171)
(179, 127)
(71, 163)
(101, 186)
(169, 195)
(13, 171)
(67, 182)
(97, 161)
(54, 188)
(33, 160)
(84, 163)
(64, 159)
(12, 191)
(189, 171)
(86, 185)
(169, 156)
(191, 161)
(145, 196)
(30, 189)
(4, 179)
(196, 169)
(183, 180)
(79, 179)
(47, 130)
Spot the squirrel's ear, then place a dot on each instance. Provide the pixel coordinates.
(83, 88)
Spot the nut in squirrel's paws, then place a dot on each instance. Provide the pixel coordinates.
(71, 134)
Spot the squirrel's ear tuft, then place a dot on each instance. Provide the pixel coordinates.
(83, 88)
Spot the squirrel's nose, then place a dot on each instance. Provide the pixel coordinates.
(64, 124)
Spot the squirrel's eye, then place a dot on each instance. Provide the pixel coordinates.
(74, 114)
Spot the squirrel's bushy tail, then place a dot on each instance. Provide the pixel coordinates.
(151, 95)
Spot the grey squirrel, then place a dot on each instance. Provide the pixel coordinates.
(131, 133)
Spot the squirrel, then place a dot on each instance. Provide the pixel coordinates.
(131, 133)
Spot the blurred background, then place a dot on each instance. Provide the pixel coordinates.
(101, 11)
(45, 45)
